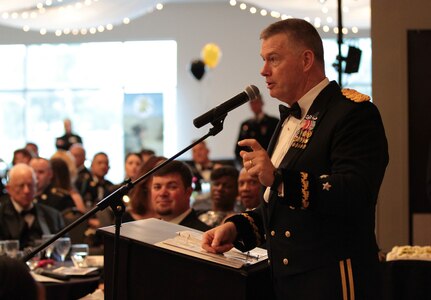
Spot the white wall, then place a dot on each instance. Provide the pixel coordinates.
(390, 21)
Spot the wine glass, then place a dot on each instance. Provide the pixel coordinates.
(11, 248)
(50, 248)
(78, 253)
(62, 246)
(33, 262)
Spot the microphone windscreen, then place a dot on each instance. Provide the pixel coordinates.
(252, 92)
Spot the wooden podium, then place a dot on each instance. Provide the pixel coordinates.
(147, 271)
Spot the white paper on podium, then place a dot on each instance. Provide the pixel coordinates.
(189, 243)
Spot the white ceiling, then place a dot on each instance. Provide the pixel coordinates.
(92, 13)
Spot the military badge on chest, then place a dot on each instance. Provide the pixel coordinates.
(303, 135)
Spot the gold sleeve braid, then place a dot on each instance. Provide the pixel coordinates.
(253, 225)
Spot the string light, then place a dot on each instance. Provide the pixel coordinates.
(318, 22)
(57, 6)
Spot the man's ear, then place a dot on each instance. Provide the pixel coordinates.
(308, 59)
(189, 191)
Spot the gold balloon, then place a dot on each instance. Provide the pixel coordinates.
(211, 55)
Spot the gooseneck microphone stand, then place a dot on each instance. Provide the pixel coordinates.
(114, 200)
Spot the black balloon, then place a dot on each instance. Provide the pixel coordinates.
(198, 69)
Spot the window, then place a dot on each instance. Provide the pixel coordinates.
(40, 85)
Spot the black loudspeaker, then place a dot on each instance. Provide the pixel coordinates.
(352, 60)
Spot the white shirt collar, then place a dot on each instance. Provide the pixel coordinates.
(18, 206)
(307, 100)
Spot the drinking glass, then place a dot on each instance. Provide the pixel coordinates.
(11, 248)
(62, 246)
(50, 248)
(33, 262)
(78, 253)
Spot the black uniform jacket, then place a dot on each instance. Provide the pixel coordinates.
(331, 175)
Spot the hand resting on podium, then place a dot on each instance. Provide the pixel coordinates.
(219, 239)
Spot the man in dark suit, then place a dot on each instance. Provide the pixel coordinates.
(260, 127)
(171, 189)
(20, 218)
(321, 177)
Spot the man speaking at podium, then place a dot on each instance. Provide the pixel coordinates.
(320, 175)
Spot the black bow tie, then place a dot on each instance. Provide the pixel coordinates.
(294, 111)
(31, 211)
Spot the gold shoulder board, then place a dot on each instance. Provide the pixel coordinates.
(354, 95)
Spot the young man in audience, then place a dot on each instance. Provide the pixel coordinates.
(224, 190)
(20, 218)
(45, 192)
(170, 195)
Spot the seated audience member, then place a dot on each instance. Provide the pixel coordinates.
(132, 165)
(69, 159)
(62, 182)
(146, 154)
(96, 187)
(16, 282)
(224, 190)
(69, 138)
(140, 206)
(78, 152)
(32, 148)
(20, 218)
(46, 193)
(201, 165)
(248, 190)
(21, 156)
(170, 195)
(94, 190)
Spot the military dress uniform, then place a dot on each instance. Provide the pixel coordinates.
(57, 198)
(258, 129)
(65, 141)
(320, 230)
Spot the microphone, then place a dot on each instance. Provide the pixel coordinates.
(250, 93)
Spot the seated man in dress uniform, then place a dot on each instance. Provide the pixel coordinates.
(171, 189)
(22, 219)
(95, 187)
(45, 193)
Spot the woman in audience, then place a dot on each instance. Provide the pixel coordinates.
(61, 179)
(132, 165)
(69, 159)
(140, 200)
